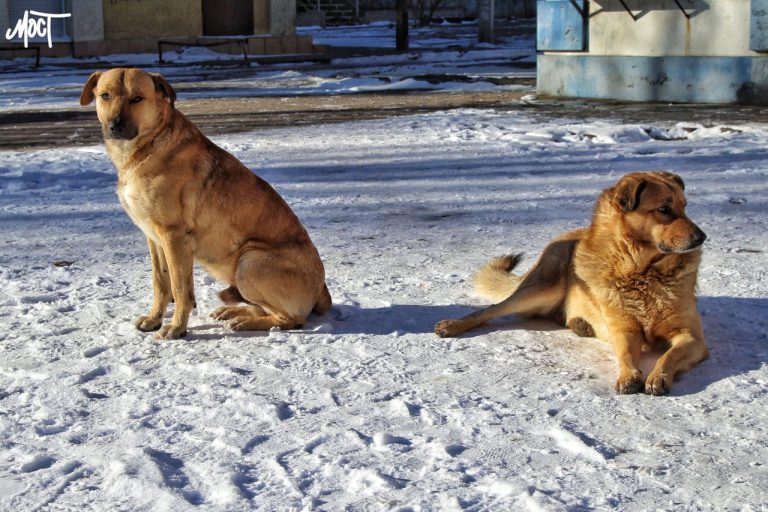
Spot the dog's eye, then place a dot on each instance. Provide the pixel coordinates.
(105, 96)
(136, 99)
(664, 210)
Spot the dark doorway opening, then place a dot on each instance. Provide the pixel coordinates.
(227, 17)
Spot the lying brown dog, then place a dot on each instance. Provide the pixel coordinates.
(629, 278)
(195, 201)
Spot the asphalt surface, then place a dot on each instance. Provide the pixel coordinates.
(79, 126)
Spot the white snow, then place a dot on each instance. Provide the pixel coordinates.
(365, 407)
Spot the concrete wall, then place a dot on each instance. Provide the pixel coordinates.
(715, 28)
(282, 19)
(138, 19)
(87, 20)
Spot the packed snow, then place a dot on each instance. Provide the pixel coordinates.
(365, 408)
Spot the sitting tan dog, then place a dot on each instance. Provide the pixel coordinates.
(629, 278)
(195, 201)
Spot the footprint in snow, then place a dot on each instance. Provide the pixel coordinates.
(89, 376)
(37, 463)
(283, 411)
(381, 439)
(171, 469)
(253, 443)
(94, 351)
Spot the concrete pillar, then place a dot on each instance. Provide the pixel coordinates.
(485, 17)
(261, 16)
(282, 17)
(87, 20)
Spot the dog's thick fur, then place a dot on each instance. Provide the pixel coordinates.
(195, 201)
(629, 278)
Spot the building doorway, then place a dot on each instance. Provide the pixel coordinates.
(227, 17)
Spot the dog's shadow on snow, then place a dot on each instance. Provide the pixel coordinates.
(396, 319)
(736, 333)
(735, 330)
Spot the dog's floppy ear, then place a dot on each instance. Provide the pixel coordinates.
(162, 85)
(87, 95)
(674, 177)
(627, 192)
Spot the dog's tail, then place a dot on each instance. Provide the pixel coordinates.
(495, 280)
(323, 304)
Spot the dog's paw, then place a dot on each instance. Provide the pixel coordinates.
(171, 332)
(147, 323)
(448, 328)
(222, 313)
(658, 383)
(630, 383)
(581, 327)
(238, 323)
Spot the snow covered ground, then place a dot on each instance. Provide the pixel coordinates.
(365, 408)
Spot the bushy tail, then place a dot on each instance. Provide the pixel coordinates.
(324, 302)
(495, 280)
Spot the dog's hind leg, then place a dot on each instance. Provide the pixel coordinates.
(528, 301)
(234, 306)
(284, 284)
(230, 312)
(540, 293)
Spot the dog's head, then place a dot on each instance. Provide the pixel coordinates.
(129, 101)
(652, 208)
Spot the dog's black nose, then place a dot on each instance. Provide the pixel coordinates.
(116, 125)
(698, 237)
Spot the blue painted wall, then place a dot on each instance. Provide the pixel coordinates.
(758, 30)
(561, 25)
(667, 79)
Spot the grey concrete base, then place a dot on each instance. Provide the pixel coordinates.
(662, 79)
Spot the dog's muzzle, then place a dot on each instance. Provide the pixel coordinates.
(694, 242)
(118, 128)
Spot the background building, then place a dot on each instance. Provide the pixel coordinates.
(709, 51)
(99, 27)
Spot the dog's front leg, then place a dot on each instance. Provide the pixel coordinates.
(686, 350)
(161, 288)
(627, 337)
(177, 247)
(627, 340)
